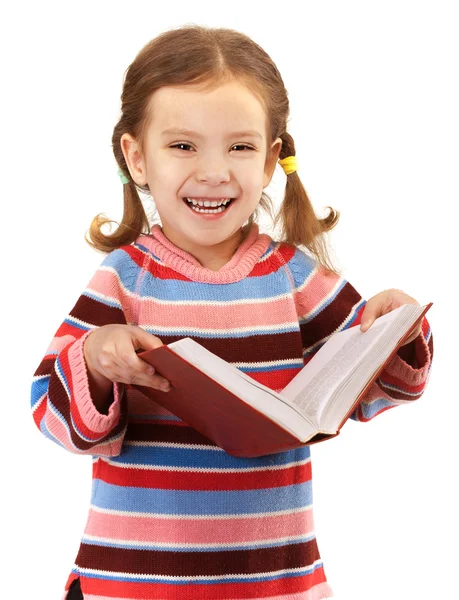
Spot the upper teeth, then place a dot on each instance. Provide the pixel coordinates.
(208, 202)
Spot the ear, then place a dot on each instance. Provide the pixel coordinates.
(134, 159)
(271, 161)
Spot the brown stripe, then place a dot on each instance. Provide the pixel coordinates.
(95, 312)
(269, 347)
(189, 564)
(45, 367)
(331, 317)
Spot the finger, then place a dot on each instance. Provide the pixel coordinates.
(157, 382)
(377, 306)
(135, 371)
(124, 374)
(369, 316)
(127, 359)
(143, 339)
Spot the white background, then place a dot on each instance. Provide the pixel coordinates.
(374, 99)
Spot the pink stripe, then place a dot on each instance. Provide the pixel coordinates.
(59, 343)
(58, 430)
(277, 312)
(321, 591)
(198, 531)
(108, 284)
(315, 291)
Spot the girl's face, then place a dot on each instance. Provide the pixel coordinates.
(204, 145)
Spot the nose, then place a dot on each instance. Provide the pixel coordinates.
(212, 170)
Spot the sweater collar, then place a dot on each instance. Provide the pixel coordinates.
(239, 266)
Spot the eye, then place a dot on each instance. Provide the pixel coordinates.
(245, 146)
(181, 144)
(242, 146)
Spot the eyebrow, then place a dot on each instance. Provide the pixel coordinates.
(177, 130)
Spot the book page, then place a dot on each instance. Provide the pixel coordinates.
(313, 390)
(352, 386)
(337, 373)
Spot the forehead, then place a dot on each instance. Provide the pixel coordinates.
(229, 106)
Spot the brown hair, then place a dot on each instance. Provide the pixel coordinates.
(198, 55)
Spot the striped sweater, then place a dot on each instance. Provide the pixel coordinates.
(172, 516)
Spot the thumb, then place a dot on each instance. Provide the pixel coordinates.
(144, 340)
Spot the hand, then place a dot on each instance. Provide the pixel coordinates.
(109, 352)
(383, 303)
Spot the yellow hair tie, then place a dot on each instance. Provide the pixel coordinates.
(289, 164)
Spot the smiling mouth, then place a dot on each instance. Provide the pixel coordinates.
(208, 209)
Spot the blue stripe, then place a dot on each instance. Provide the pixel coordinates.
(301, 265)
(205, 458)
(44, 429)
(203, 580)
(183, 502)
(370, 410)
(189, 548)
(231, 334)
(38, 388)
(251, 288)
(126, 268)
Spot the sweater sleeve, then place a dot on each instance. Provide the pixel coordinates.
(327, 304)
(62, 407)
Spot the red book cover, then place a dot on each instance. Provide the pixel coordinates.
(222, 416)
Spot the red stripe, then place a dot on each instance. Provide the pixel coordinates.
(194, 481)
(71, 578)
(40, 411)
(276, 379)
(67, 328)
(218, 591)
(264, 267)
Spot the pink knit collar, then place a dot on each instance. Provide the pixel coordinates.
(238, 267)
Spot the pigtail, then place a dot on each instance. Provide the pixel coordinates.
(299, 224)
(134, 221)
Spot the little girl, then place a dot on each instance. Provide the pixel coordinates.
(173, 516)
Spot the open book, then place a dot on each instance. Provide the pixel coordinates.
(248, 419)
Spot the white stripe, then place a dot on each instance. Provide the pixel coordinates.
(173, 445)
(190, 547)
(175, 578)
(222, 303)
(269, 363)
(270, 328)
(124, 513)
(397, 390)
